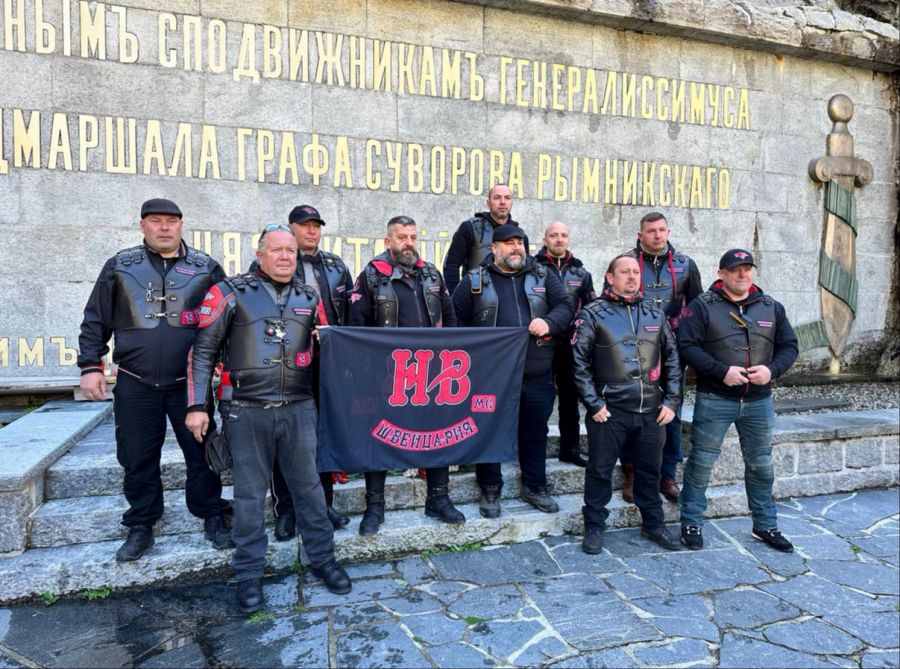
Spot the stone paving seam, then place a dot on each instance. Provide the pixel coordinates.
(823, 514)
(421, 646)
(551, 632)
(545, 633)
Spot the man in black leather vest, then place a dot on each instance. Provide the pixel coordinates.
(512, 290)
(261, 324)
(579, 285)
(738, 339)
(471, 243)
(629, 378)
(399, 289)
(327, 274)
(148, 298)
(669, 279)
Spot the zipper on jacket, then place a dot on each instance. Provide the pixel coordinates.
(637, 359)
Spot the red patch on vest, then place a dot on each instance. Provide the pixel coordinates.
(191, 317)
(382, 267)
(654, 373)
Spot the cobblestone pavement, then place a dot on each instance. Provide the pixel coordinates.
(737, 603)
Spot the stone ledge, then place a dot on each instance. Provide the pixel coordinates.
(29, 445)
(806, 32)
(69, 569)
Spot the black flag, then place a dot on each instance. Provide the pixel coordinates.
(399, 398)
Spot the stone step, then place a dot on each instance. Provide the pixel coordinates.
(73, 568)
(94, 518)
(91, 466)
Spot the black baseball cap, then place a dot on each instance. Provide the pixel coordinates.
(506, 232)
(736, 257)
(160, 205)
(303, 213)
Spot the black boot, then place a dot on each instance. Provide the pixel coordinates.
(374, 515)
(285, 527)
(217, 530)
(438, 505)
(489, 501)
(250, 595)
(140, 538)
(338, 520)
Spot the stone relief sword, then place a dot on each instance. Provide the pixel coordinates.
(840, 172)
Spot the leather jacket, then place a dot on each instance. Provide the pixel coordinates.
(265, 336)
(625, 356)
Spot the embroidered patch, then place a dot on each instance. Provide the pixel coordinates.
(434, 289)
(355, 297)
(304, 358)
(764, 324)
(678, 270)
(185, 270)
(574, 282)
(302, 311)
(340, 289)
(191, 317)
(651, 328)
(654, 373)
(539, 289)
(205, 311)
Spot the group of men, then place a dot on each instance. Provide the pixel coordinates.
(622, 353)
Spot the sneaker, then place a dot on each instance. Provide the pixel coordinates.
(774, 538)
(540, 499)
(692, 537)
(592, 544)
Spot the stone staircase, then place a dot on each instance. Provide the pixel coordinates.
(73, 533)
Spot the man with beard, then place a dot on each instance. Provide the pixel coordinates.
(739, 340)
(512, 290)
(628, 375)
(579, 285)
(261, 324)
(471, 242)
(670, 279)
(399, 289)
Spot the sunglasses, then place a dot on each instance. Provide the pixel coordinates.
(272, 227)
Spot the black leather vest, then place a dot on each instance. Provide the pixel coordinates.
(734, 344)
(573, 279)
(483, 231)
(383, 296)
(485, 302)
(627, 343)
(667, 292)
(335, 269)
(268, 352)
(143, 297)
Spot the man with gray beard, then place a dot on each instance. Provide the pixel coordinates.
(510, 289)
(399, 289)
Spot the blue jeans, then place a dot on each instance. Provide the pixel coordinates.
(713, 415)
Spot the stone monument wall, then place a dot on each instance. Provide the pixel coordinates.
(594, 113)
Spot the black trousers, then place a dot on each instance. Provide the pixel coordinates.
(535, 408)
(140, 413)
(567, 394)
(639, 432)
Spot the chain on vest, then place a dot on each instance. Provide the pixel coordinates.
(382, 292)
(144, 298)
(660, 290)
(740, 344)
(485, 302)
(262, 336)
(627, 341)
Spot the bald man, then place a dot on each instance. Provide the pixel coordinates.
(471, 243)
(555, 255)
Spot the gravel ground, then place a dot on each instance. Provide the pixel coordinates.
(861, 396)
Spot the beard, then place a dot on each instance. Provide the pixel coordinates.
(407, 258)
(513, 262)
